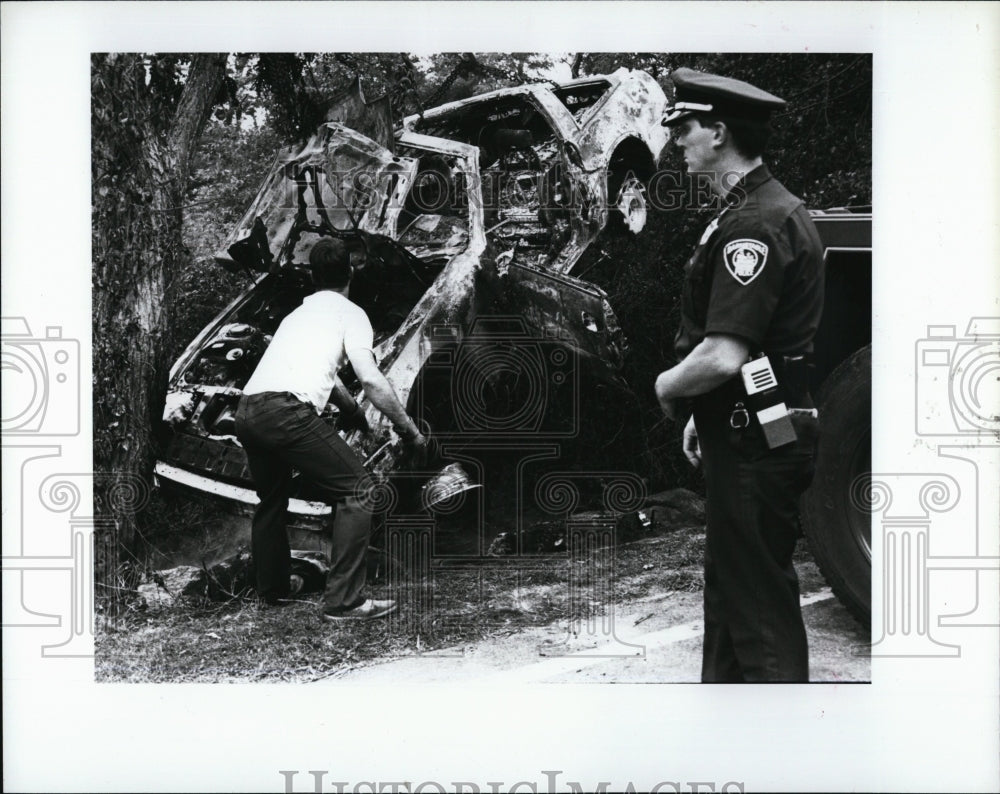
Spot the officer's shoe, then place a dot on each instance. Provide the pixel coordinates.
(367, 610)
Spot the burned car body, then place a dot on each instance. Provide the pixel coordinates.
(471, 207)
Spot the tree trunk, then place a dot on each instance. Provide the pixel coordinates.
(141, 152)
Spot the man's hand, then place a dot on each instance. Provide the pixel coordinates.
(421, 447)
(417, 450)
(691, 447)
(353, 419)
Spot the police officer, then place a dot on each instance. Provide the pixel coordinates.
(753, 287)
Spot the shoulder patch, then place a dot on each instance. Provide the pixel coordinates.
(745, 259)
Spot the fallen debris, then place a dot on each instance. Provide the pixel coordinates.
(167, 588)
(673, 509)
(226, 580)
(545, 537)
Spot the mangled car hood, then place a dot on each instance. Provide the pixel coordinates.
(413, 268)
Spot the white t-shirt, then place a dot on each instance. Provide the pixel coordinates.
(310, 346)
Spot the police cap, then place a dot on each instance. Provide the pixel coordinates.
(699, 92)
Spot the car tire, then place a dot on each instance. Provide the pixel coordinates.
(628, 210)
(834, 517)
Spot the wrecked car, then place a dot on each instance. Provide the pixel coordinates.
(465, 225)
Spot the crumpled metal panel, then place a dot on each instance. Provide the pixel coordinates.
(634, 109)
(339, 178)
(372, 119)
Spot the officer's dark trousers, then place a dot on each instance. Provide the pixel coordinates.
(753, 623)
(279, 432)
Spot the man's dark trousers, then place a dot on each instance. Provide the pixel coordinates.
(753, 621)
(280, 432)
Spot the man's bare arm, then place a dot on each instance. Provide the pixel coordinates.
(342, 398)
(716, 359)
(381, 393)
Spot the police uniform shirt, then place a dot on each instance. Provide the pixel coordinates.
(757, 272)
(310, 346)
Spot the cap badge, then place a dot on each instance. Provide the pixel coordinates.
(745, 259)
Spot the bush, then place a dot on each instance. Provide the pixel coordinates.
(228, 169)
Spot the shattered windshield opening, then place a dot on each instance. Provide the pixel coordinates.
(525, 190)
(340, 182)
(404, 216)
(434, 220)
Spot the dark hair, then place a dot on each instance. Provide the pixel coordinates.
(749, 136)
(331, 263)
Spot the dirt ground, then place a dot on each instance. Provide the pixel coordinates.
(630, 614)
(652, 638)
(662, 645)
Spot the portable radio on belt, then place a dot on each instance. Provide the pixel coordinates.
(766, 402)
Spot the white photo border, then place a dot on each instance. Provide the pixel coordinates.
(923, 724)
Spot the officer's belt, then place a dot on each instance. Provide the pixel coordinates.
(793, 380)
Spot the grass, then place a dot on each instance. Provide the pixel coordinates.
(239, 641)
(242, 640)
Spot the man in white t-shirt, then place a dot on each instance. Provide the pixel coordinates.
(278, 424)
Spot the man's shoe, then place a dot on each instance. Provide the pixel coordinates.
(366, 611)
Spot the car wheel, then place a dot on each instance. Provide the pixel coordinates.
(833, 509)
(628, 209)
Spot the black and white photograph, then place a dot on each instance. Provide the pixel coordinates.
(391, 385)
(539, 273)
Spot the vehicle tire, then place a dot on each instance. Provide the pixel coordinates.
(833, 515)
(627, 207)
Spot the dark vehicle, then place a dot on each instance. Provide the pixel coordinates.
(835, 521)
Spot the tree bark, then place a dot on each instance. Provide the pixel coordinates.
(141, 154)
